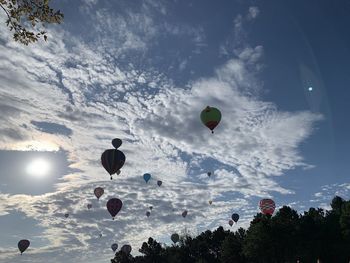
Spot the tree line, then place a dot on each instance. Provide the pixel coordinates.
(318, 235)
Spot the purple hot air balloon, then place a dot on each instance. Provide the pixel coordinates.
(98, 192)
(159, 182)
(113, 206)
(230, 222)
(126, 249)
(112, 160)
(23, 245)
(184, 213)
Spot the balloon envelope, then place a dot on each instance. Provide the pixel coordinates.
(113, 206)
(235, 217)
(151, 207)
(148, 213)
(267, 206)
(126, 249)
(146, 177)
(23, 245)
(210, 202)
(230, 222)
(116, 143)
(209, 174)
(175, 237)
(89, 206)
(114, 247)
(184, 213)
(210, 117)
(159, 183)
(66, 215)
(112, 160)
(98, 192)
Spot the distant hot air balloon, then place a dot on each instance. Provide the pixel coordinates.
(89, 206)
(116, 143)
(118, 172)
(126, 249)
(23, 245)
(209, 174)
(66, 215)
(230, 222)
(159, 183)
(184, 213)
(151, 207)
(114, 247)
(148, 213)
(267, 206)
(100, 235)
(211, 117)
(175, 238)
(112, 160)
(235, 217)
(113, 206)
(210, 202)
(98, 192)
(146, 177)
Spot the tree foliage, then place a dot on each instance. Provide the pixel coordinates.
(25, 17)
(283, 238)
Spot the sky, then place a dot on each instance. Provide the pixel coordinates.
(143, 71)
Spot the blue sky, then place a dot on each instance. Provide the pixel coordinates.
(142, 71)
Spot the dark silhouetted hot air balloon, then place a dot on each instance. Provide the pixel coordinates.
(114, 247)
(113, 206)
(98, 192)
(235, 217)
(151, 207)
(159, 183)
(210, 202)
(66, 215)
(230, 222)
(211, 117)
(267, 206)
(116, 143)
(126, 249)
(100, 235)
(148, 213)
(23, 245)
(184, 213)
(146, 177)
(112, 160)
(175, 238)
(118, 172)
(89, 206)
(209, 174)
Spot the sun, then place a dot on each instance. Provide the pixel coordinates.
(38, 168)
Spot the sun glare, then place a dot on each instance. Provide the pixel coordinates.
(38, 168)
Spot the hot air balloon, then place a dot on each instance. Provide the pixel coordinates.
(66, 215)
(230, 222)
(211, 117)
(112, 160)
(210, 202)
(23, 245)
(118, 172)
(159, 183)
(89, 206)
(116, 143)
(98, 192)
(148, 213)
(209, 174)
(184, 213)
(113, 206)
(175, 238)
(114, 247)
(100, 235)
(267, 206)
(151, 207)
(146, 177)
(126, 249)
(235, 217)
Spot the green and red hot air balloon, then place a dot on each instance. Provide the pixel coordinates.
(211, 117)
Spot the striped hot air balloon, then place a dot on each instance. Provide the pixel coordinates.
(267, 206)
